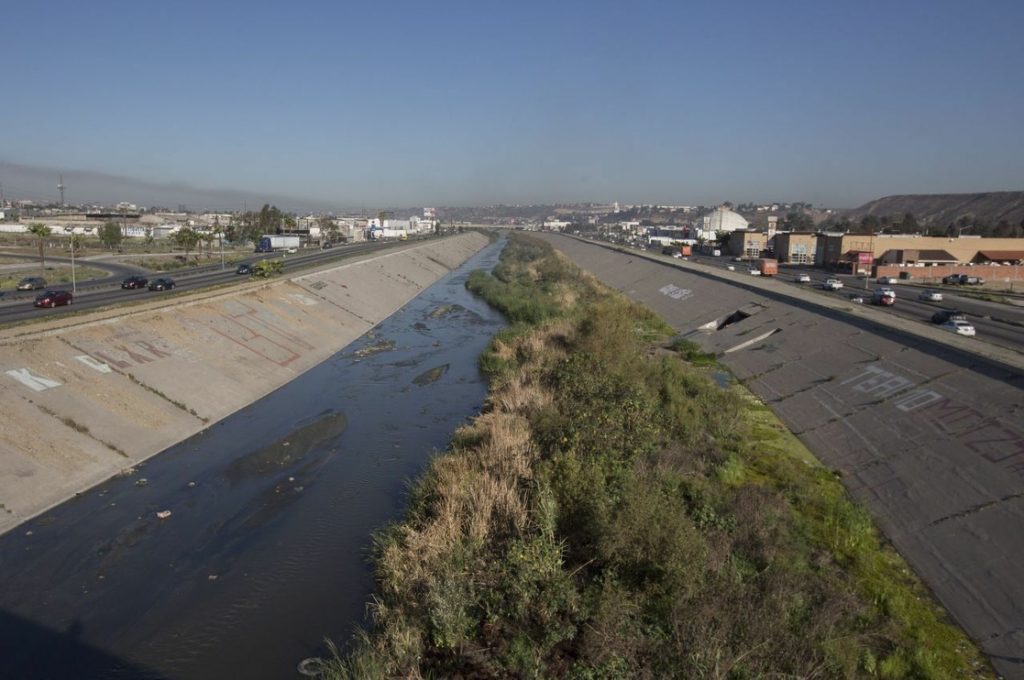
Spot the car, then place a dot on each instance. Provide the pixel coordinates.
(53, 298)
(886, 297)
(135, 282)
(930, 296)
(951, 279)
(244, 268)
(327, 246)
(730, 267)
(959, 327)
(737, 259)
(803, 278)
(832, 284)
(944, 315)
(292, 250)
(755, 272)
(857, 297)
(32, 283)
(163, 283)
(887, 280)
(968, 280)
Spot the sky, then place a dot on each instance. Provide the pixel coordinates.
(335, 105)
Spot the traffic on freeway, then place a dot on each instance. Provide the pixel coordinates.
(997, 323)
(126, 283)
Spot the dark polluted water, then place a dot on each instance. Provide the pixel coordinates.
(264, 553)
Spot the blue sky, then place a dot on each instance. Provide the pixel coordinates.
(342, 104)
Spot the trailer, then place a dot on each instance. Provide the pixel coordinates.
(384, 234)
(270, 243)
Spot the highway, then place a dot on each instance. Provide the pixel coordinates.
(996, 323)
(17, 306)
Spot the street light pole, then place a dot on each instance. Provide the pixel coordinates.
(74, 285)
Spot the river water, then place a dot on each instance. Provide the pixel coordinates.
(265, 551)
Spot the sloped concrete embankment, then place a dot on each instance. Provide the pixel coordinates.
(90, 399)
(924, 427)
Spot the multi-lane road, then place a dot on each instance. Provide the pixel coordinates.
(107, 291)
(996, 323)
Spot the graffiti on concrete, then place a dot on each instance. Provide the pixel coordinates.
(36, 383)
(984, 434)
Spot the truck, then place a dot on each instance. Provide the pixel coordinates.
(269, 243)
(768, 266)
(385, 234)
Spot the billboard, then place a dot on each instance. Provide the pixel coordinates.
(864, 258)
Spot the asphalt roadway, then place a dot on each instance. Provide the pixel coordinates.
(17, 305)
(927, 434)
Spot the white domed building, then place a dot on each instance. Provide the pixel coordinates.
(720, 219)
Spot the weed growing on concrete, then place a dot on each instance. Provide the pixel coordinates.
(183, 407)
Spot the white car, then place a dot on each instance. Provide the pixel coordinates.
(832, 284)
(887, 280)
(730, 267)
(803, 278)
(959, 327)
(755, 272)
(930, 296)
(292, 250)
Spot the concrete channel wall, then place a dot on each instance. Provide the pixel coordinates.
(925, 428)
(90, 396)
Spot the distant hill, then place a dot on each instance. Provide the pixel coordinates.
(941, 210)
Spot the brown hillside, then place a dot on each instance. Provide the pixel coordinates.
(945, 209)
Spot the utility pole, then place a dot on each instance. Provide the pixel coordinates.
(74, 285)
(60, 185)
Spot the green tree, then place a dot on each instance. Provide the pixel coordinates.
(110, 235)
(40, 231)
(909, 223)
(149, 238)
(186, 238)
(264, 269)
(329, 227)
(799, 221)
(869, 224)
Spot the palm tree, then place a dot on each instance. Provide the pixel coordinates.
(40, 231)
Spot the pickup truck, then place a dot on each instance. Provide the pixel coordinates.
(832, 284)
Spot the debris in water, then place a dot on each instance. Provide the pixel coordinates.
(211, 577)
(28, 533)
(163, 514)
(191, 483)
(313, 667)
(375, 348)
(141, 482)
(430, 376)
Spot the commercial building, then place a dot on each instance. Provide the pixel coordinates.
(795, 247)
(720, 219)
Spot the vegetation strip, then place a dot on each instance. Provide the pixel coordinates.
(614, 513)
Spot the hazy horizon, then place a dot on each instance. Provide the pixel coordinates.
(328, 107)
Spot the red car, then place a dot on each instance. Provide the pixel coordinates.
(53, 298)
